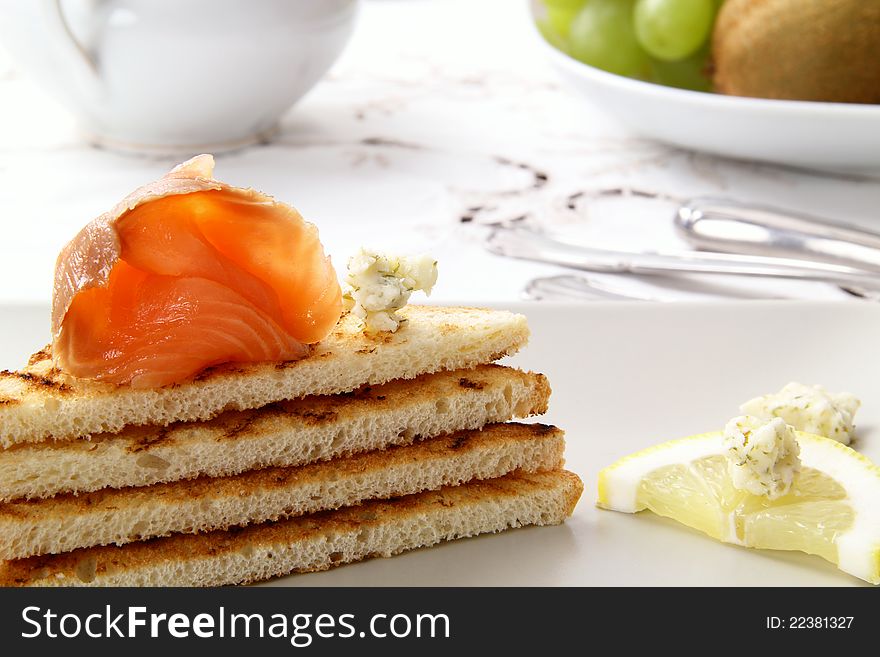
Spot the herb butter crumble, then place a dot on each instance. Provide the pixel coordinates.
(811, 409)
(763, 455)
(378, 285)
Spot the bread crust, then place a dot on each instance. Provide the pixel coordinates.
(112, 516)
(314, 542)
(283, 434)
(41, 402)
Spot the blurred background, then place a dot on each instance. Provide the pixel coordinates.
(423, 125)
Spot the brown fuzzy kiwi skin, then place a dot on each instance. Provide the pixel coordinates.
(819, 50)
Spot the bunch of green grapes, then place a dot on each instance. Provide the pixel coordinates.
(664, 41)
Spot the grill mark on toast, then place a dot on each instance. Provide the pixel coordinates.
(364, 392)
(464, 382)
(314, 417)
(239, 427)
(215, 370)
(491, 437)
(43, 354)
(286, 532)
(542, 429)
(136, 442)
(37, 381)
(76, 417)
(205, 374)
(501, 354)
(149, 440)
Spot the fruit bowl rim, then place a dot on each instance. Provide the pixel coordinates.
(707, 98)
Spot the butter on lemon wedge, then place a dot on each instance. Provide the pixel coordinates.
(831, 510)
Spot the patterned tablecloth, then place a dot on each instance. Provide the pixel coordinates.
(441, 116)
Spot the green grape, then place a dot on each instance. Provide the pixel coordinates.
(557, 18)
(560, 18)
(564, 4)
(602, 35)
(689, 73)
(551, 36)
(673, 29)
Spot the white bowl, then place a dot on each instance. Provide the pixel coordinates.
(177, 75)
(834, 136)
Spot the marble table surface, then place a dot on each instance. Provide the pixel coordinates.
(441, 117)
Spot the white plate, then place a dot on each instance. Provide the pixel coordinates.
(626, 376)
(834, 136)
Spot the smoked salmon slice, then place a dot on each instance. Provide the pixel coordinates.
(188, 272)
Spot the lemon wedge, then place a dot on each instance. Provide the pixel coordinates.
(832, 509)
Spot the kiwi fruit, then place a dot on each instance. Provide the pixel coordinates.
(821, 50)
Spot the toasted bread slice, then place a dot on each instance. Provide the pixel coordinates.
(40, 402)
(284, 434)
(314, 542)
(67, 522)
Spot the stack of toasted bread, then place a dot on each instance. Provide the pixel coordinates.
(371, 445)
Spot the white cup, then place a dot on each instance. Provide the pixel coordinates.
(177, 75)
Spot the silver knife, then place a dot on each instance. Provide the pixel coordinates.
(582, 287)
(523, 243)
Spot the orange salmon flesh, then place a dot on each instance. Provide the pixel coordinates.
(202, 278)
